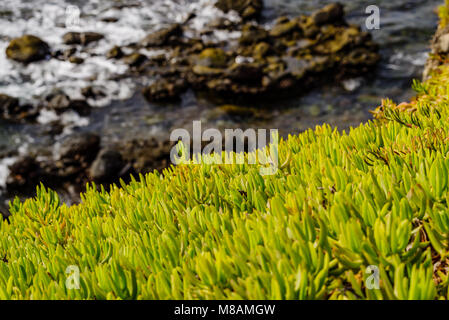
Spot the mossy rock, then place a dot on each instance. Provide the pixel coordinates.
(340, 39)
(247, 9)
(261, 50)
(165, 90)
(252, 34)
(285, 28)
(213, 58)
(82, 38)
(309, 28)
(331, 13)
(8, 105)
(115, 53)
(246, 72)
(163, 36)
(135, 59)
(27, 49)
(206, 71)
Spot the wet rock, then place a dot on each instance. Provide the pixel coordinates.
(27, 49)
(81, 107)
(247, 9)
(147, 155)
(82, 38)
(107, 167)
(261, 50)
(76, 60)
(135, 59)
(212, 58)
(79, 148)
(359, 60)
(285, 27)
(309, 28)
(165, 90)
(64, 55)
(246, 72)
(115, 53)
(207, 71)
(162, 37)
(93, 92)
(340, 39)
(329, 14)
(303, 51)
(23, 174)
(252, 34)
(54, 128)
(11, 109)
(110, 19)
(59, 102)
(8, 105)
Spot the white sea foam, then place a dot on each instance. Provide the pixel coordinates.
(5, 163)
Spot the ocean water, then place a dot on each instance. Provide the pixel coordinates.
(404, 35)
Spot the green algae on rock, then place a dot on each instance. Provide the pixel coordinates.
(247, 9)
(27, 49)
(295, 53)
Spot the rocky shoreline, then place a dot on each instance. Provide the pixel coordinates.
(290, 57)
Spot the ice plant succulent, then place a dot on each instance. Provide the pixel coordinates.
(339, 202)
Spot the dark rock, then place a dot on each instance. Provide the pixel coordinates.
(83, 38)
(9, 105)
(247, 9)
(309, 28)
(246, 72)
(107, 167)
(261, 50)
(147, 155)
(76, 60)
(162, 37)
(115, 53)
(207, 71)
(23, 174)
(69, 53)
(212, 58)
(284, 28)
(252, 34)
(329, 14)
(81, 107)
(79, 148)
(110, 19)
(11, 109)
(27, 49)
(165, 90)
(59, 102)
(135, 59)
(54, 128)
(93, 92)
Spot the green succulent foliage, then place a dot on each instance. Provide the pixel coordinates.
(339, 202)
